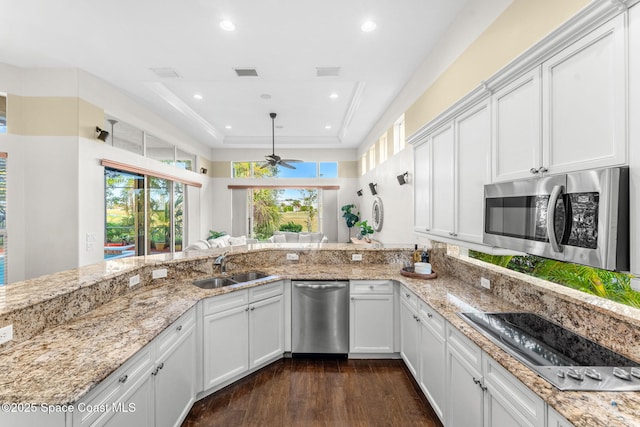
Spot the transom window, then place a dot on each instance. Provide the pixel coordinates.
(302, 170)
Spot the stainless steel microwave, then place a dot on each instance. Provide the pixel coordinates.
(580, 217)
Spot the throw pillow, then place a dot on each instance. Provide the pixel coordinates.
(242, 240)
(304, 238)
(279, 238)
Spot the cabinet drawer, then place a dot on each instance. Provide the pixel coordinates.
(175, 332)
(371, 287)
(432, 320)
(409, 297)
(225, 302)
(109, 391)
(466, 348)
(265, 291)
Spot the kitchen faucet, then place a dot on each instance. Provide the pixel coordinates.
(222, 262)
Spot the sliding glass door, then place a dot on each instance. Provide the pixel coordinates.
(144, 214)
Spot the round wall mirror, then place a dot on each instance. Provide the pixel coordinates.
(377, 214)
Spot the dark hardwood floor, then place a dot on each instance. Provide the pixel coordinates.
(318, 392)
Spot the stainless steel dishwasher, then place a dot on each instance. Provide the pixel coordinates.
(320, 317)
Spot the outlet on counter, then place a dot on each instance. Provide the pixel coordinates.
(293, 257)
(134, 280)
(159, 273)
(6, 334)
(356, 257)
(485, 283)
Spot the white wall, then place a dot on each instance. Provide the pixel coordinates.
(397, 200)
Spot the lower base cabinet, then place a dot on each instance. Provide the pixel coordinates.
(242, 330)
(155, 388)
(371, 317)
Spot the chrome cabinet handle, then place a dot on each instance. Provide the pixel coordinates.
(407, 295)
(123, 379)
(179, 328)
(371, 287)
(534, 171)
(430, 316)
(246, 309)
(253, 308)
(542, 169)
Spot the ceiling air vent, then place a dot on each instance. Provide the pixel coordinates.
(246, 72)
(327, 71)
(165, 73)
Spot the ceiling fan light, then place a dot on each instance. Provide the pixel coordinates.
(227, 25)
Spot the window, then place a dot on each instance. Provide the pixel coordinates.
(363, 164)
(399, 142)
(302, 170)
(284, 209)
(382, 149)
(144, 214)
(3, 113)
(3, 218)
(128, 137)
(372, 157)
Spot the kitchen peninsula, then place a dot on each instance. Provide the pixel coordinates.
(74, 329)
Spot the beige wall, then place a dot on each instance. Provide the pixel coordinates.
(520, 26)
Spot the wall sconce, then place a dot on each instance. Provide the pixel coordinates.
(374, 188)
(403, 178)
(101, 134)
(203, 171)
(359, 192)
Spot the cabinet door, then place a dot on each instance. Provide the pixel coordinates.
(584, 101)
(442, 199)
(226, 345)
(266, 339)
(465, 389)
(175, 381)
(371, 324)
(517, 138)
(473, 134)
(422, 187)
(634, 140)
(556, 420)
(432, 378)
(136, 407)
(409, 336)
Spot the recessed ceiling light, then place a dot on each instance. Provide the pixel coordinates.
(327, 127)
(265, 96)
(368, 26)
(198, 96)
(227, 25)
(333, 96)
(227, 127)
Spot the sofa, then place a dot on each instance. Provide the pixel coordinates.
(292, 237)
(220, 242)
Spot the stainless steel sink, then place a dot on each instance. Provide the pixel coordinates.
(248, 276)
(222, 281)
(565, 359)
(214, 282)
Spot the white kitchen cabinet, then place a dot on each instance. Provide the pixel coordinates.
(432, 358)
(452, 166)
(584, 102)
(442, 188)
(422, 187)
(634, 141)
(409, 330)
(465, 388)
(556, 420)
(242, 330)
(567, 114)
(175, 372)
(473, 171)
(509, 402)
(517, 128)
(266, 330)
(371, 317)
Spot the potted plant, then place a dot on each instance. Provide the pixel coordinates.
(215, 234)
(365, 230)
(350, 218)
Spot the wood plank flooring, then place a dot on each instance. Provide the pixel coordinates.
(318, 392)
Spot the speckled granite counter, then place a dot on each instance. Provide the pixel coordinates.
(62, 365)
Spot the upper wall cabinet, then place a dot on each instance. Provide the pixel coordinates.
(584, 102)
(517, 127)
(451, 169)
(634, 140)
(568, 115)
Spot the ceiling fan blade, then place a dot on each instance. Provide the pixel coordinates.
(286, 165)
(291, 161)
(264, 165)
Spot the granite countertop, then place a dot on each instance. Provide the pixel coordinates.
(63, 364)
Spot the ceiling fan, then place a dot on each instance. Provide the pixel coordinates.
(272, 159)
